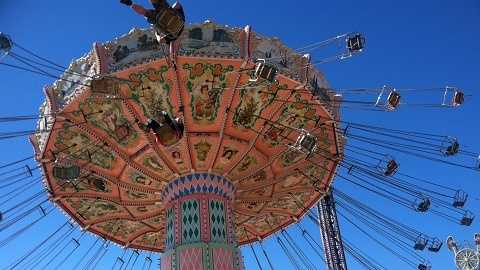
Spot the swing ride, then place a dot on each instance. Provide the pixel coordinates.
(213, 134)
(194, 140)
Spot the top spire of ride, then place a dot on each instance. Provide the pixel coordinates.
(168, 21)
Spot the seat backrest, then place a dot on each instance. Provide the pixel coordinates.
(266, 72)
(169, 21)
(394, 99)
(99, 184)
(458, 98)
(105, 86)
(66, 173)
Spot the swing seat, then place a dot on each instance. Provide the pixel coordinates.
(306, 143)
(392, 168)
(420, 243)
(453, 97)
(100, 185)
(424, 267)
(66, 173)
(423, 206)
(458, 98)
(388, 166)
(393, 100)
(452, 149)
(105, 86)
(467, 219)
(460, 199)
(355, 43)
(390, 102)
(169, 22)
(264, 71)
(5, 44)
(435, 246)
(168, 131)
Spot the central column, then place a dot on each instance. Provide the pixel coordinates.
(200, 232)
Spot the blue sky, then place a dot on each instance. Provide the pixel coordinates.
(410, 44)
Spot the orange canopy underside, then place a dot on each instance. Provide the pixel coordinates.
(232, 128)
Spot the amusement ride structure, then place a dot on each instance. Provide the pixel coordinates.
(194, 140)
(466, 258)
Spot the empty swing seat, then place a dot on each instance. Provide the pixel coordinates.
(424, 267)
(306, 143)
(392, 168)
(393, 100)
(435, 246)
(104, 86)
(355, 43)
(388, 166)
(467, 219)
(100, 185)
(420, 243)
(460, 199)
(66, 172)
(5, 43)
(458, 98)
(264, 71)
(424, 205)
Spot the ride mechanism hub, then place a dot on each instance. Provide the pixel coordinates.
(231, 175)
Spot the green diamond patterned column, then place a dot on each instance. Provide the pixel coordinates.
(190, 222)
(170, 241)
(199, 222)
(218, 225)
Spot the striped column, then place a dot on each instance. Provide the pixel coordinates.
(200, 225)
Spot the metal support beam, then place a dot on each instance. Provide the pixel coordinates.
(330, 231)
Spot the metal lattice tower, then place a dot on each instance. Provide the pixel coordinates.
(330, 231)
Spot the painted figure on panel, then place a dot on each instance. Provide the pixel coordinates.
(109, 117)
(153, 163)
(254, 100)
(206, 84)
(247, 163)
(228, 153)
(151, 91)
(202, 149)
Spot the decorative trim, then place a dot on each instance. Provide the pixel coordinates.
(101, 57)
(198, 183)
(51, 98)
(34, 142)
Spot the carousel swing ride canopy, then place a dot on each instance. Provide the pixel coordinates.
(222, 140)
(236, 173)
